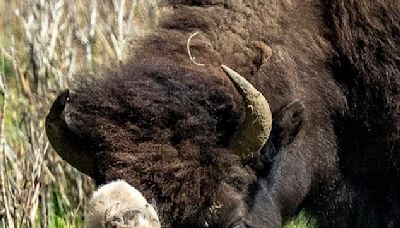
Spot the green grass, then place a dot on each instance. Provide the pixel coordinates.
(302, 221)
(61, 214)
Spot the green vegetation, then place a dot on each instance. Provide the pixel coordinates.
(301, 221)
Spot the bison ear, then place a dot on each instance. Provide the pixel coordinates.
(288, 121)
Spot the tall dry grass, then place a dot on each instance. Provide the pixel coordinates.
(43, 44)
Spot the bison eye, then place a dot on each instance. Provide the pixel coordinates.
(288, 122)
(285, 127)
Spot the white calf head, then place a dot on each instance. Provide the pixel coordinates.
(119, 205)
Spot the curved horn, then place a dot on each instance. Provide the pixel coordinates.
(64, 141)
(254, 132)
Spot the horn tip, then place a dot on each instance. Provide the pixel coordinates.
(225, 68)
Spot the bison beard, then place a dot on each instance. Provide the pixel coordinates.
(330, 72)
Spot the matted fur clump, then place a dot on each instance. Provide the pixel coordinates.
(119, 205)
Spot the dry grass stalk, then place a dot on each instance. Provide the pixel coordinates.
(6, 197)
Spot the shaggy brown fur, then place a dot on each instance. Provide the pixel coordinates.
(330, 71)
(177, 124)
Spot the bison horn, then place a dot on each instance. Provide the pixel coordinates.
(254, 132)
(64, 141)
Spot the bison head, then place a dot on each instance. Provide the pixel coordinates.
(181, 135)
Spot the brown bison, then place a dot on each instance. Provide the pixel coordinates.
(185, 135)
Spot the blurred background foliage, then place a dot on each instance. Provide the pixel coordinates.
(43, 46)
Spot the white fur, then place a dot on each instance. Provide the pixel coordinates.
(118, 204)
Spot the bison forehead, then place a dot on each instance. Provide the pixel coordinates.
(142, 102)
